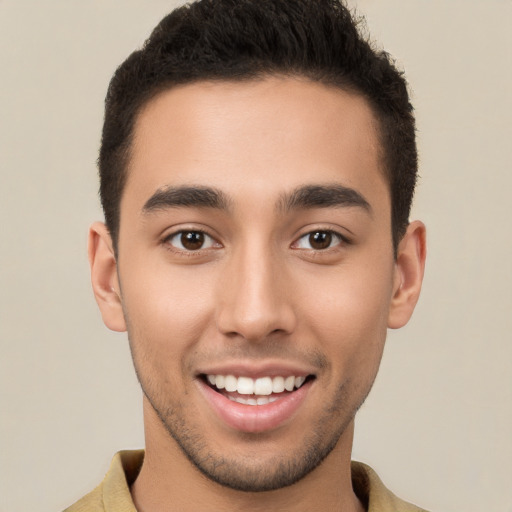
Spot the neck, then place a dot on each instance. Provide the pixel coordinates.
(169, 482)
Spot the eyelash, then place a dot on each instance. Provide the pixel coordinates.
(168, 239)
(336, 237)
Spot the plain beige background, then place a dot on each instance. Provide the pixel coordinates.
(438, 424)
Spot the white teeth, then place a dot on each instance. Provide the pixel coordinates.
(262, 400)
(277, 384)
(262, 386)
(299, 381)
(219, 381)
(230, 383)
(245, 386)
(289, 383)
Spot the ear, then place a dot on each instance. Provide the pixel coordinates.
(105, 283)
(409, 269)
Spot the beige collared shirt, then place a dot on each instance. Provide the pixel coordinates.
(113, 494)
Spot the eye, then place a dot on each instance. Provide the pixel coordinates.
(191, 240)
(319, 240)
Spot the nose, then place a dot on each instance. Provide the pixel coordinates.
(255, 299)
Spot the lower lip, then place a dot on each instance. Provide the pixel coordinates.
(255, 418)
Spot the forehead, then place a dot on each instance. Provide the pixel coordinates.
(264, 136)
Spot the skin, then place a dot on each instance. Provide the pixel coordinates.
(258, 292)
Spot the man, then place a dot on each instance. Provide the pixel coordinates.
(257, 168)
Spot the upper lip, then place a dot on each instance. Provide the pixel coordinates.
(256, 370)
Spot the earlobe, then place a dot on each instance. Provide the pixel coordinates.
(104, 278)
(409, 269)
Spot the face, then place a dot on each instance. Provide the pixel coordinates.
(256, 272)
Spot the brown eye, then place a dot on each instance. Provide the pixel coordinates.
(319, 240)
(191, 240)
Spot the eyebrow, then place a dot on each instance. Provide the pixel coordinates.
(323, 196)
(186, 196)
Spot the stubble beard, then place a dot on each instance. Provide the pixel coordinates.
(243, 473)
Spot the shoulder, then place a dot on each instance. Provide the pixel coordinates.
(113, 494)
(374, 494)
(92, 502)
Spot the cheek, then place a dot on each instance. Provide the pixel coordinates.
(347, 310)
(166, 312)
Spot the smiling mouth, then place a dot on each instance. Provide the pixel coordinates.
(260, 391)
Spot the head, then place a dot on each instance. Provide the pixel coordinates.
(257, 165)
(243, 40)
